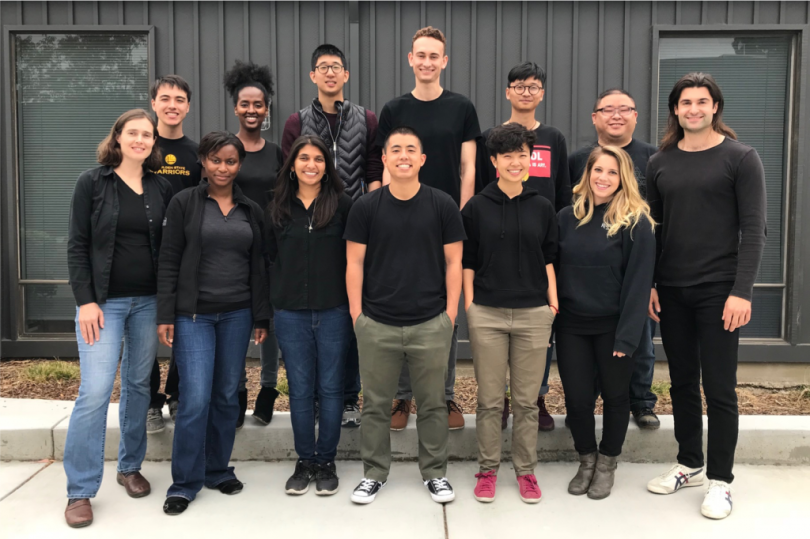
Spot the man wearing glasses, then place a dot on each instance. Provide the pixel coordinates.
(614, 117)
(350, 131)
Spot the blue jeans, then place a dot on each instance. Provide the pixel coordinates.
(132, 320)
(314, 344)
(643, 368)
(210, 354)
(268, 351)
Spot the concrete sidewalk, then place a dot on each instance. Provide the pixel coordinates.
(769, 501)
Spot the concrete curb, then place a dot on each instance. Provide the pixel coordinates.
(34, 430)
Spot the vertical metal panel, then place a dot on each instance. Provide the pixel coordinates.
(626, 47)
(398, 49)
(297, 54)
(246, 31)
(729, 12)
(121, 15)
(354, 47)
(448, 26)
(549, 95)
(223, 95)
(600, 64)
(195, 18)
(321, 23)
(498, 62)
(473, 53)
(782, 12)
(422, 14)
(574, 74)
(756, 12)
(704, 12)
(373, 53)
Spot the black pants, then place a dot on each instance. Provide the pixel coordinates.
(172, 388)
(580, 359)
(696, 343)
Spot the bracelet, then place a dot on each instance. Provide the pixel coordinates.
(555, 309)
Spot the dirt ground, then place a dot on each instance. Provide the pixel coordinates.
(14, 383)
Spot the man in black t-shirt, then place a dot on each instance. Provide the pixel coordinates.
(448, 126)
(614, 117)
(171, 99)
(548, 174)
(403, 276)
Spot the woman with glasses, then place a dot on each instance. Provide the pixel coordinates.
(251, 88)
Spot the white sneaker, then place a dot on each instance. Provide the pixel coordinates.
(677, 477)
(440, 490)
(366, 491)
(717, 502)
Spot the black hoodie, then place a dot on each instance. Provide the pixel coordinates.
(509, 242)
(604, 283)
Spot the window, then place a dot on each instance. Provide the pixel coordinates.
(70, 88)
(754, 73)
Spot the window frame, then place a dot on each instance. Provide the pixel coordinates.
(13, 267)
(797, 165)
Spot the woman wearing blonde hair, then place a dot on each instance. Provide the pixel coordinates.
(606, 257)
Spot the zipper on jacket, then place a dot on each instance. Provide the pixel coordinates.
(199, 257)
(334, 137)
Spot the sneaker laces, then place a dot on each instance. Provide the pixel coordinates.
(529, 483)
(303, 470)
(672, 471)
(401, 406)
(453, 407)
(645, 411)
(366, 485)
(486, 482)
(718, 488)
(325, 472)
(440, 484)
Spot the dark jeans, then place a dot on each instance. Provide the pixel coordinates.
(643, 369)
(404, 389)
(210, 354)
(314, 344)
(351, 374)
(172, 388)
(696, 343)
(580, 359)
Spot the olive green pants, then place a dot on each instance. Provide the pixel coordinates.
(383, 350)
(513, 340)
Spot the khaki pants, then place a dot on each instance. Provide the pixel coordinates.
(515, 340)
(383, 351)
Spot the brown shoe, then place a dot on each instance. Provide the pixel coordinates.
(505, 416)
(136, 485)
(455, 417)
(544, 420)
(79, 513)
(399, 414)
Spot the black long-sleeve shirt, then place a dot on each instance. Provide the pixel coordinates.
(711, 208)
(604, 281)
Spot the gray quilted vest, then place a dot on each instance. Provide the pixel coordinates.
(349, 150)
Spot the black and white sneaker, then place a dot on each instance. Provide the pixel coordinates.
(440, 490)
(326, 479)
(351, 416)
(301, 478)
(366, 491)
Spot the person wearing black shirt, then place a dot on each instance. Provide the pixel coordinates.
(614, 118)
(114, 237)
(403, 277)
(212, 291)
(307, 254)
(548, 175)
(448, 125)
(606, 257)
(171, 100)
(251, 87)
(708, 192)
(510, 294)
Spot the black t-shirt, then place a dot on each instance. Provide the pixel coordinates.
(639, 151)
(133, 270)
(404, 270)
(548, 174)
(180, 166)
(442, 125)
(258, 174)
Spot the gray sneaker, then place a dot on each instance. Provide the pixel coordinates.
(646, 419)
(351, 416)
(173, 410)
(154, 421)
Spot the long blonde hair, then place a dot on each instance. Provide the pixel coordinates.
(626, 208)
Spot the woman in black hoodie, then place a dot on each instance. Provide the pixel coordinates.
(606, 259)
(510, 294)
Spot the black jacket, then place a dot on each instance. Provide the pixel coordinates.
(604, 282)
(181, 250)
(509, 242)
(91, 229)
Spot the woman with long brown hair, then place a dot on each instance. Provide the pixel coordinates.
(606, 256)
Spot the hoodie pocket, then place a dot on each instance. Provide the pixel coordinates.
(589, 290)
(507, 269)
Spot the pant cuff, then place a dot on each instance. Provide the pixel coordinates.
(138, 469)
(80, 496)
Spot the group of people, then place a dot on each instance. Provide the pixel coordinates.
(348, 248)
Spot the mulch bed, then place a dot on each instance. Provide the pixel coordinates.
(752, 400)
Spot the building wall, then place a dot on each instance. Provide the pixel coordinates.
(584, 46)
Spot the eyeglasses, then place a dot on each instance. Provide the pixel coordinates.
(533, 90)
(337, 69)
(607, 112)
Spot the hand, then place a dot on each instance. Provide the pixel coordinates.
(166, 334)
(618, 354)
(91, 322)
(655, 306)
(467, 303)
(355, 316)
(736, 313)
(452, 314)
(259, 335)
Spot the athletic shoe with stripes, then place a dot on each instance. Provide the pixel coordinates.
(717, 502)
(676, 478)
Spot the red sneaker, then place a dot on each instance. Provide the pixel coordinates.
(529, 489)
(485, 487)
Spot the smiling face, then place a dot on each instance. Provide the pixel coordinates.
(222, 166)
(310, 165)
(137, 138)
(513, 166)
(329, 84)
(605, 179)
(250, 108)
(427, 59)
(695, 109)
(403, 157)
(171, 105)
(615, 126)
(525, 102)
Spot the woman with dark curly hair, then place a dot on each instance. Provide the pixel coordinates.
(251, 87)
